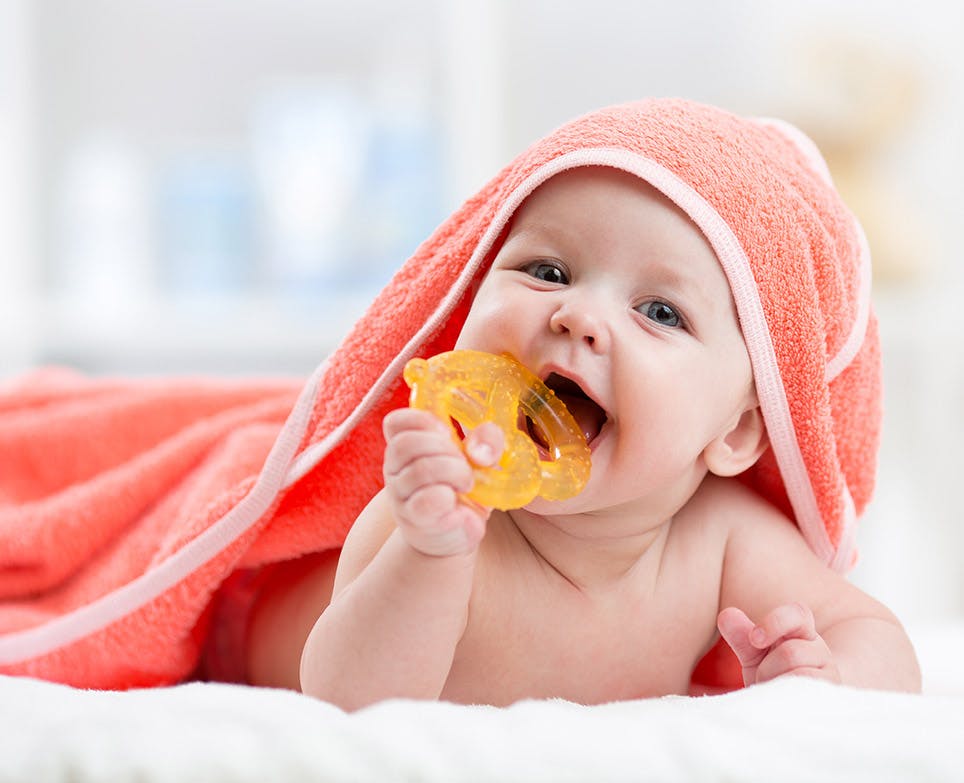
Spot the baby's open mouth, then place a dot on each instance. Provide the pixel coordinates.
(588, 414)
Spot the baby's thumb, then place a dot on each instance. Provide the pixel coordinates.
(485, 444)
(735, 629)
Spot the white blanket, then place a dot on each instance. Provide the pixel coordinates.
(787, 730)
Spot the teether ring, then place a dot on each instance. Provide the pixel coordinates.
(472, 387)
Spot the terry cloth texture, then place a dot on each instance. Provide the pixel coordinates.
(125, 504)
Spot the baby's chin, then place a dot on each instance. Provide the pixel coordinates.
(546, 508)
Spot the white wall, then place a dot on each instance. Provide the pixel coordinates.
(18, 260)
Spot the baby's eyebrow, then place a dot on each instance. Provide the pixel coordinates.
(533, 231)
(678, 276)
(539, 240)
(674, 272)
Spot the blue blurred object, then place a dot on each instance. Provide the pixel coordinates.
(402, 200)
(101, 243)
(205, 221)
(347, 186)
(308, 151)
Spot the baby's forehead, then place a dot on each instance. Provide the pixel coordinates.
(560, 203)
(604, 182)
(581, 178)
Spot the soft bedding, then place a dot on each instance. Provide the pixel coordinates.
(790, 729)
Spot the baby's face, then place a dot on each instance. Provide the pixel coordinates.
(605, 289)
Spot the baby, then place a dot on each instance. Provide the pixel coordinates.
(609, 290)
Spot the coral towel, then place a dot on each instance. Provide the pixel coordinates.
(125, 504)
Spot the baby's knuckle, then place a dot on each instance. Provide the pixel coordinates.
(417, 473)
(446, 470)
(405, 443)
(463, 475)
(392, 422)
(426, 504)
(395, 457)
(793, 655)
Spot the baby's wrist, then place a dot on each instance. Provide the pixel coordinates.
(451, 546)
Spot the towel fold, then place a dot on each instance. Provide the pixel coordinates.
(124, 504)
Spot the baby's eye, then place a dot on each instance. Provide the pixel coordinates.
(547, 272)
(661, 313)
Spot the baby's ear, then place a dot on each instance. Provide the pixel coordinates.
(739, 446)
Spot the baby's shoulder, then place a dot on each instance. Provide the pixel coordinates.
(754, 548)
(724, 512)
(749, 529)
(725, 505)
(700, 531)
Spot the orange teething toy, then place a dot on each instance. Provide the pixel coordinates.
(472, 387)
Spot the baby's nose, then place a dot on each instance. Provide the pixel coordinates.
(582, 322)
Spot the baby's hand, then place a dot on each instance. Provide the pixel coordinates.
(786, 642)
(426, 472)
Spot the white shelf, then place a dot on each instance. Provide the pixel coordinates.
(221, 334)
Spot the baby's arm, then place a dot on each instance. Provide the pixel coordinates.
(807, 620)
(401, 594)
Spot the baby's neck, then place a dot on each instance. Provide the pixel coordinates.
(587, 552)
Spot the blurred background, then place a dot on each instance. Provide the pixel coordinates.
(221, 186)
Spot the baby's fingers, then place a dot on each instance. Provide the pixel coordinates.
(447, 470)
(405, 419)
(485, 444)
(801, 657)
(790, 621)
(735, 628)
(405, 445)
(434, 522)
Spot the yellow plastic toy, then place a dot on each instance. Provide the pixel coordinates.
(466, 388)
